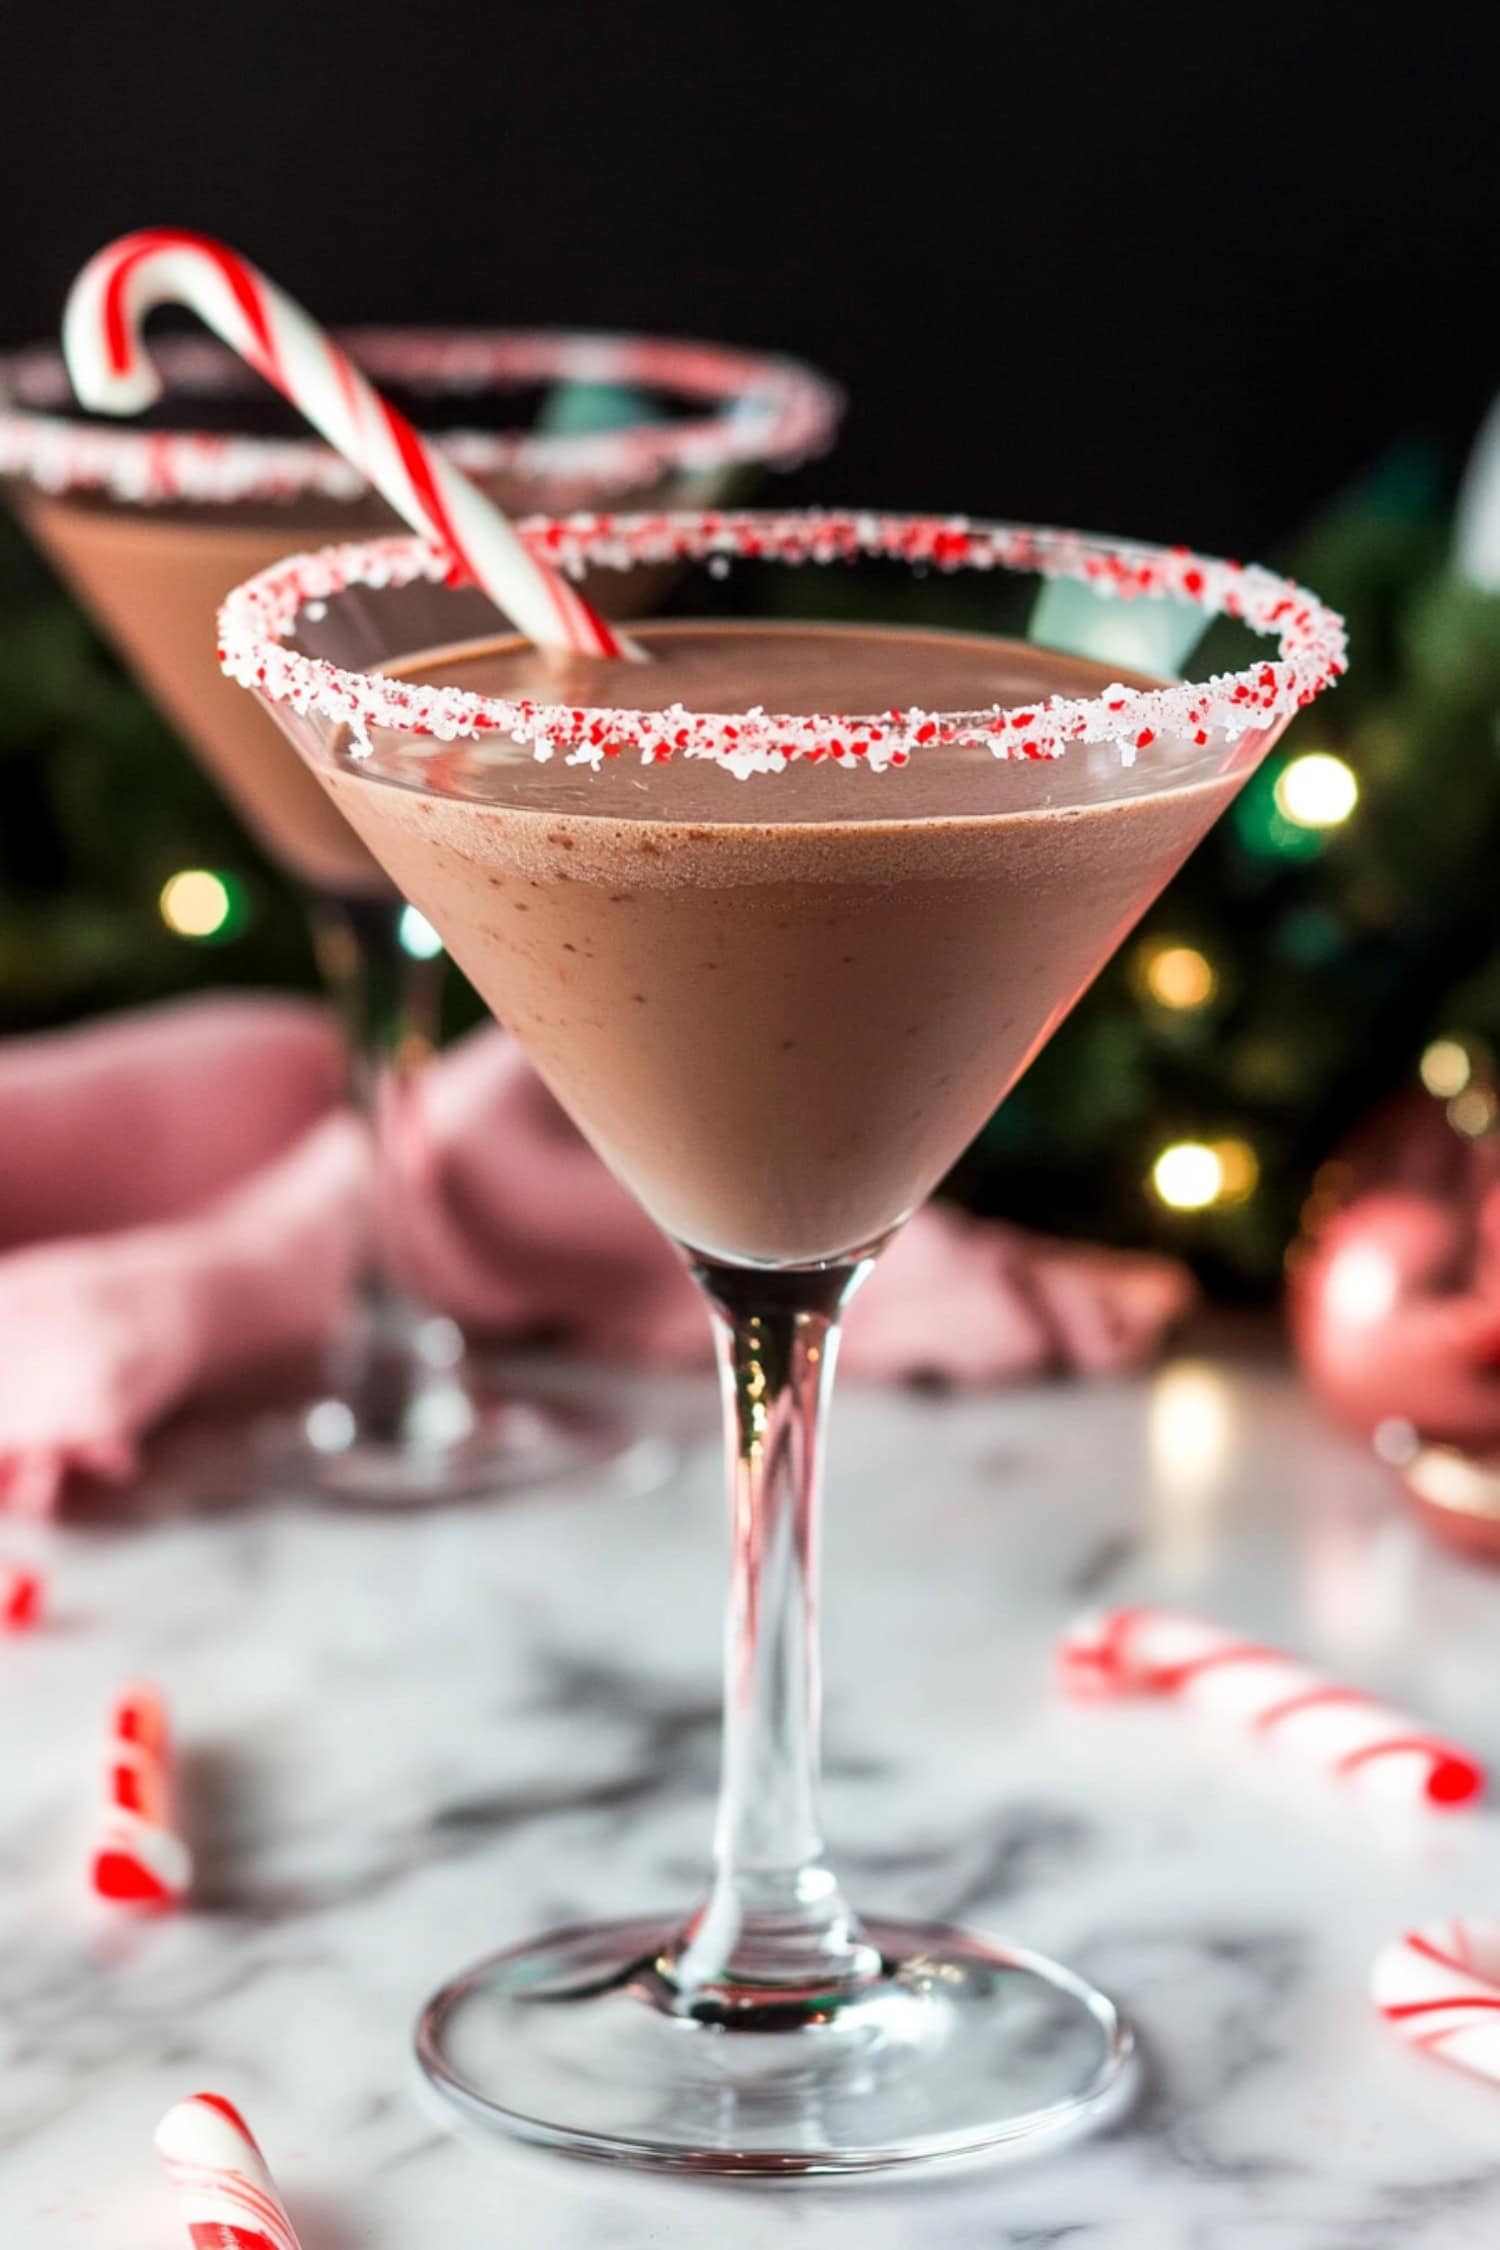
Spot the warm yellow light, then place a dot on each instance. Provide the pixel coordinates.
(1179, 976)
(196, 903)
(1446, 1067)
(1316, 790)
(1194, 1175)
(1239, 1170)
(1188, 1176)
(1472, 1112)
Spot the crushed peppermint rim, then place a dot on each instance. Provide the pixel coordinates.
(756, 408)
(258, 617)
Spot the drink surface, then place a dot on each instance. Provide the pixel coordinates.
(780, 1007)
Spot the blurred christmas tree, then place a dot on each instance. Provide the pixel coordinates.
(1340, 918)
(99, 809)
(1343, 915)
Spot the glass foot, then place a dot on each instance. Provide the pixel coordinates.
(959, 2045)
(421, 1422)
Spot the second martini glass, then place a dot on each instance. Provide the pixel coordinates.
(153, 525)
(779, 942)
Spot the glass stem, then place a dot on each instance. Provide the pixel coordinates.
(776, 1926)
(388, 1001)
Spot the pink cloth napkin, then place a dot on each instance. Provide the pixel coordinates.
(182, 1196)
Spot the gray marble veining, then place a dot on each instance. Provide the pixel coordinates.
(407, 1742)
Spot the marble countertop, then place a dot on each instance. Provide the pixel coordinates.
(407, 1742)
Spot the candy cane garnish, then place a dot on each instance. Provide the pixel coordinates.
(1440, 1989)
(224, 2187)
(113, 373)
(1273, 1697)
(139, 1858)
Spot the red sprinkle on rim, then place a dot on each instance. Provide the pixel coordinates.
(758, 408)
(257, 617)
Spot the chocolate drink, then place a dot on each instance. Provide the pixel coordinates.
(780, 1007)
(154, 578)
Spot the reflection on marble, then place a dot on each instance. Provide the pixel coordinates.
(407, 1742)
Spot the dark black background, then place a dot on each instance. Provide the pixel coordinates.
(1171, 270)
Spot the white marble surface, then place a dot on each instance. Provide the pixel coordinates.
(408, 1742)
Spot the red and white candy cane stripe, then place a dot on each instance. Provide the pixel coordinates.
(1440, 1988)
(225, 2190)
(1272, 1696)
(139, 1858)
(112, 373)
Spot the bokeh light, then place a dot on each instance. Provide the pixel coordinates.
(418, 937)
(1187, 1176)
(1239, 1170)
(1446, 1068)
(1199, 1175)
(1263, 829)
(1473, 1112)
(1177, 976)
(198, 903)
(1361, 1286)
(1316, 790)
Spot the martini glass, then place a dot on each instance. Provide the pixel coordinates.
(152, 525)
(780, 967)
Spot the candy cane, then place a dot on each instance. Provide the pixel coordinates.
(226, 2193)
(23, 1594)
(1440, 1989)
(139, 1859)
(1344, 1731)
(112, 373)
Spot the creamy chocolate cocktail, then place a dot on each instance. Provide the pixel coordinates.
(780, 1007)
(780, 913)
